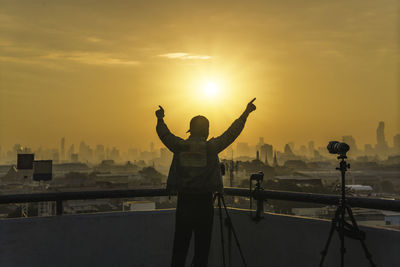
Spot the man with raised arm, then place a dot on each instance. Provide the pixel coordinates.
(195, 175)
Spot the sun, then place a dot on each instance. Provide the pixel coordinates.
(207, 89)
(211, 89)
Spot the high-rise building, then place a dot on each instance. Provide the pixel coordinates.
(107, 153)
(288, 150)
(82, 150)
(55, 155)
(266, 152)
(260, 143)
(368, 149)
(303, 150)
(243, 149)
(114, 154)
(62, 149)
(291, 144)
(396, 143)
(99, 153)
(348, 139)
(381, 145)
(165, 155)
(311, 148)
(275, 163)
(228, 152)
(71, 151)
(85, 152)
(74, 157)
(266, 162)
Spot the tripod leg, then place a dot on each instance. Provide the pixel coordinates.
(341, 224)
(341, 236)
(368, 255)
(333, 227)
(351, 216)
(229, 243)
(233, 232)
(222, 230)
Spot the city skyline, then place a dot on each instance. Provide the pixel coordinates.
(373, 141)
(144, 145)
(84, 152)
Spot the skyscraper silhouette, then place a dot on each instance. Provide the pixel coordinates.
(396, 143)
(381, 145)
(62, 150)
(275, 164)
(349, 139)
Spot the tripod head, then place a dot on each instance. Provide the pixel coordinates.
(335, 147)
(258, 177)
(343, 165)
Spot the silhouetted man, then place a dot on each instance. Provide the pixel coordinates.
(195, 175)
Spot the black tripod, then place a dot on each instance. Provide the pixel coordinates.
(255, 193)
(339, 223)
(231, 229)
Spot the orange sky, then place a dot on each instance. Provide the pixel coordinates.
(97, 70)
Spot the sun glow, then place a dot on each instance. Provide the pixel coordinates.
(206, 89)
(211, 89)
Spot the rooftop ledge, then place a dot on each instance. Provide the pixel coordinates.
(145, 239)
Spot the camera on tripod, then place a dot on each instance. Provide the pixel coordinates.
(339, 222)
(258, 177)
(335, 147)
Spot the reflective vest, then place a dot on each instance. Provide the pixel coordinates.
(192, 164)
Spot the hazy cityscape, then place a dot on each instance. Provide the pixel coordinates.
(380, 151)
(303, 168)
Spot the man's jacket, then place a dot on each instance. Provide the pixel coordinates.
(195, 166)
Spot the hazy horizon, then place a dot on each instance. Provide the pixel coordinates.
(96, 71)
(157, 144)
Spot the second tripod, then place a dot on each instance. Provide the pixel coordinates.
(231, 229)
(339, 223)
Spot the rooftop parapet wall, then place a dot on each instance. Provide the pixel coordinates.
(145, 239)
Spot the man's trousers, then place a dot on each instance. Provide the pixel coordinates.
(194, 214)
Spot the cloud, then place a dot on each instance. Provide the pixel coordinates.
(92, 39)
(89, 58)
(92, 58)
(184, 56)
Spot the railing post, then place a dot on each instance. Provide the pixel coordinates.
(59, 207)
(260, 208)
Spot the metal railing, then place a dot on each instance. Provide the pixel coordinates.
(359, 202)
(262, 195)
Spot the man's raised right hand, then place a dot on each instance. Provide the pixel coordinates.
(250, 106)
